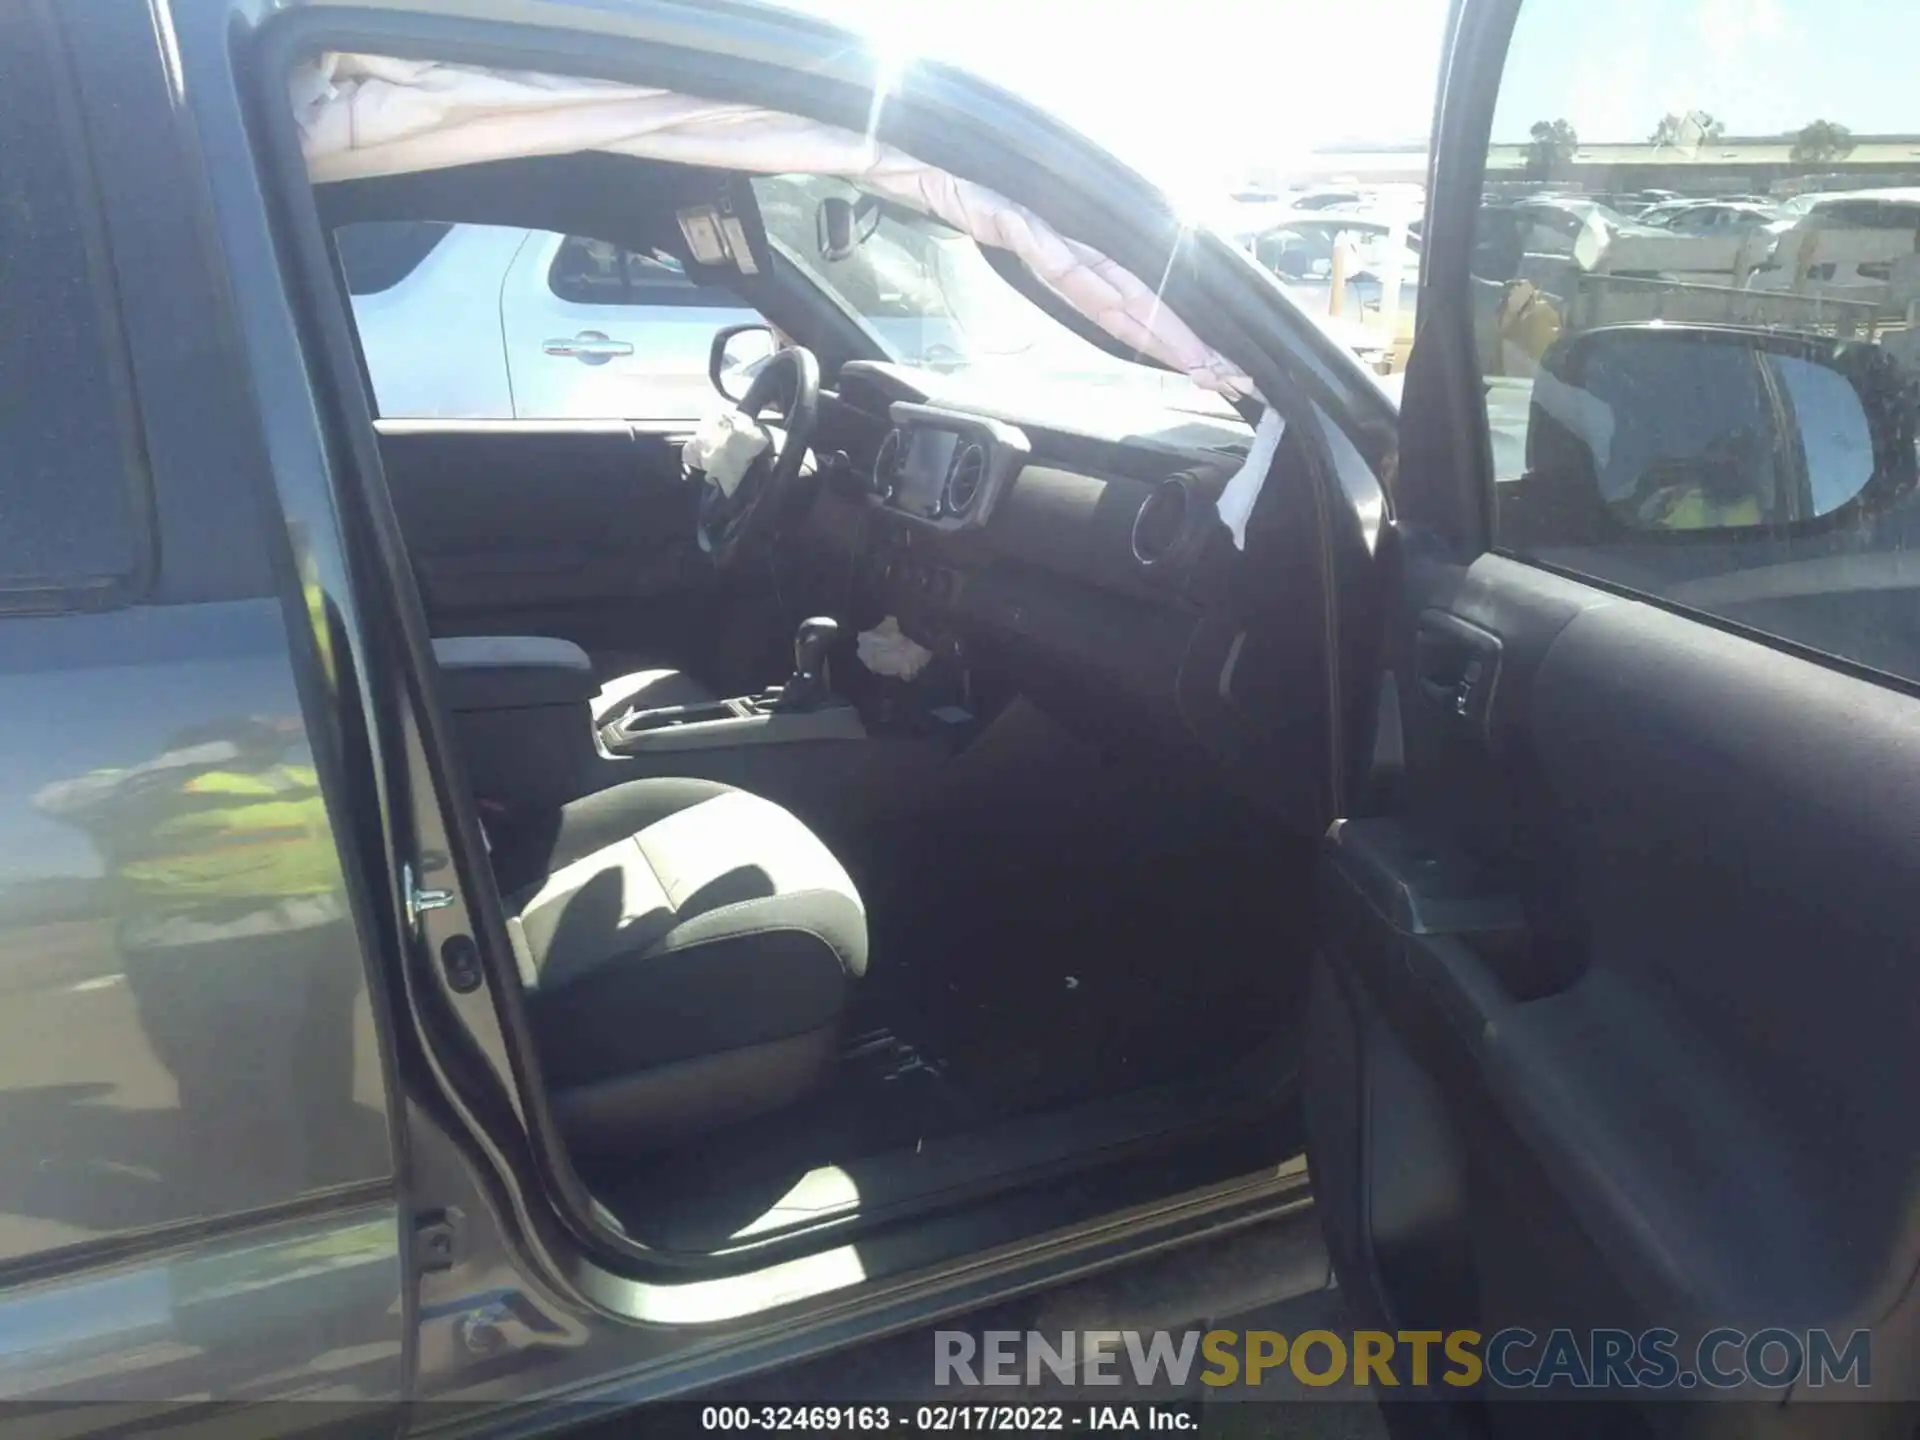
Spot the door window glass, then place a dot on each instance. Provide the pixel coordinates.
(1712, 405)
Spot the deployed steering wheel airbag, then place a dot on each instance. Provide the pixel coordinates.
(724, 446)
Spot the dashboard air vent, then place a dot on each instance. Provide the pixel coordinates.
(1161, 526)
(886, 466)
(963, 484)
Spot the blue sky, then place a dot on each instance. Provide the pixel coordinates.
(1763, 66)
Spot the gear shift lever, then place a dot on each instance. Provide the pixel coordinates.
(808, 686)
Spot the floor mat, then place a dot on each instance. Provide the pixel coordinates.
(1062, 923)
(1042, 975)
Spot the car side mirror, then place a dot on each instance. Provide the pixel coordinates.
(737, 355)
(1691, 430)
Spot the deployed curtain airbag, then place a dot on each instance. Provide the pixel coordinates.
(365, 115)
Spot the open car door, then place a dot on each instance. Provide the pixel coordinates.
(1613, 1034)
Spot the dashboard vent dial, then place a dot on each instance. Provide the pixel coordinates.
(963, 483)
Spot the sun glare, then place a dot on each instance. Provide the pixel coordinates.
(893, 59)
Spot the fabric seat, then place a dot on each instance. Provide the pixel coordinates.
(687, 950)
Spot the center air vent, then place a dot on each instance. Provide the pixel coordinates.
(1162, 525)
(963, 484)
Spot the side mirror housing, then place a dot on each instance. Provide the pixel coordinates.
(736, 356)
(1688, 431)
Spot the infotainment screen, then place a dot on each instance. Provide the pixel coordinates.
(923, 470)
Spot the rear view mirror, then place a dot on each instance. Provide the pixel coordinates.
(835, 224)
(1665, 429)
(843, 226)
(737, 355)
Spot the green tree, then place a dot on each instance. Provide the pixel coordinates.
(1821, 143)
(1551, 150)
(1696, 127)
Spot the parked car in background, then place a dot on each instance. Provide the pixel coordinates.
(1556, 220)
(1642, 201)
(495, 322)
(1548, 225)
(1300, 251)
(1861, 247)
(1662, 212)
(1715, 217)
(1328, 199)
(1889, 209)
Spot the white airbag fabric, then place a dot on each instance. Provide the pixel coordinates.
(1236, 501)
(886, 651)
(724, 446)
(366, 115)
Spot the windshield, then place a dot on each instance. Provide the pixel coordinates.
(928, 296)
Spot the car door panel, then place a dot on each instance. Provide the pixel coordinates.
(583, 529)
(1612, 1026)
(1636, 937)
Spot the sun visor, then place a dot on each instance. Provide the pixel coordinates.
(362, 116)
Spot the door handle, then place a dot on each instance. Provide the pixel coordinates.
(589, 347)
(1456, 694)
(1456, 664)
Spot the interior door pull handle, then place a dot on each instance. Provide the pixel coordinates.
(1453, 682)
(1456, 664)
(590, 347)
(1469, 682)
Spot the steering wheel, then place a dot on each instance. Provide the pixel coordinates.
(728, 526)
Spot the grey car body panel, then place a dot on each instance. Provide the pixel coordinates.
(304, 1308)
(126, 944)
(197, 1185)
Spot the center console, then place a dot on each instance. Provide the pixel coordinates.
(801, 709)
(535, 734)
(521, 705)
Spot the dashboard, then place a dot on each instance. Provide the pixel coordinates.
(1088, 570)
